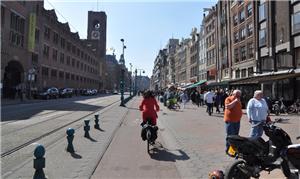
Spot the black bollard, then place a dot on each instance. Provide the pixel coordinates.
(86, 128)
(39, 162)
(70, 132)
(97, 121)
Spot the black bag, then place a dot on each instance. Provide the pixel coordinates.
(153, 130)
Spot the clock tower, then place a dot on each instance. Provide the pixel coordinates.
(96, 31)
(96, 40)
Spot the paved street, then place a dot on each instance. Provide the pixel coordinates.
(190, 145)
(192, 141)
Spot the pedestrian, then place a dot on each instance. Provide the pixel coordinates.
(184, 98)
(224, 95)
(217, 101)
(257, 112)
(232, 115)
(209, 99)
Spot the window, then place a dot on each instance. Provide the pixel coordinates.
(17, 29)
(297, 57)
(54, 54)
(55, 37)
(69, 46)
(62, 43)
(250, 71)
(73, 49)
(37, 35)
(262, 37)
(46, 50)
(73, 62)
(67, 76)
(78, 52)
(45, 71)
(262, 12)
(61, 74)
(235, 19)
(236, 37)
(250, 50)
(236, 55)
(249, 9)
(237, 73)
(250, 29)
(53, 73)
(243, 53)
(2, 15)
(62, 58)
(46, 32)
(68, 60)
(243, 33)
(296, 22)
(244, 72)
(242, 16)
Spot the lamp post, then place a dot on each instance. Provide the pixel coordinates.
(130, 80)
(136, 71)
(122, 64)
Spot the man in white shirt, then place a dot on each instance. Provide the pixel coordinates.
(209, 99)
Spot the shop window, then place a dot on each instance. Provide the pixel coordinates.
(262, 12)
(249, 9)
(296, 22)
(242, 16)
(262, 37)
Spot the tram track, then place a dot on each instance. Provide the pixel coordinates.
(29, 142)
(49, 119)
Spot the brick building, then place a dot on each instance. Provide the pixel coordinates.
(38, 51)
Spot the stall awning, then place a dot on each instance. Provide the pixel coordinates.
(197, 84)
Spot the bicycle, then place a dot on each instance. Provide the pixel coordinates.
(294, 108)
(149, 133)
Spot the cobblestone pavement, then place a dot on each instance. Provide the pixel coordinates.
(202, 138)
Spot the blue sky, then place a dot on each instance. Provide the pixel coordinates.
(145, 25)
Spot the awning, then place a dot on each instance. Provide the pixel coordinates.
(264, 78)
(197, 84)
(222, 83)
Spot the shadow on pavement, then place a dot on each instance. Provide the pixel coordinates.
(91, 139)
(162, 154)
(101, 130)
(76, 156)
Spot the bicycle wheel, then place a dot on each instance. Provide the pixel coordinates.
(148, 135)
(148, 146)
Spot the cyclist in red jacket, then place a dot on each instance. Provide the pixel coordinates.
(149, 107)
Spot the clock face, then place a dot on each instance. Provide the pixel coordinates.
(97, 26)
(95, 35)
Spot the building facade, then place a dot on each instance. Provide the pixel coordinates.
(243, 35)
(38, 51)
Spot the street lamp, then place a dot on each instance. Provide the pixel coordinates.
(122, 64)
(130, 79)
(136, 71)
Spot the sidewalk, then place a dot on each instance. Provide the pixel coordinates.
(88, 152)
(202, 137)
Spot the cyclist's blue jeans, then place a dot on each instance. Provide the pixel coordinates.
(232, 128)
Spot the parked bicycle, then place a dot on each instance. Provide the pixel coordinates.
(279, 107)
(295, 107)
